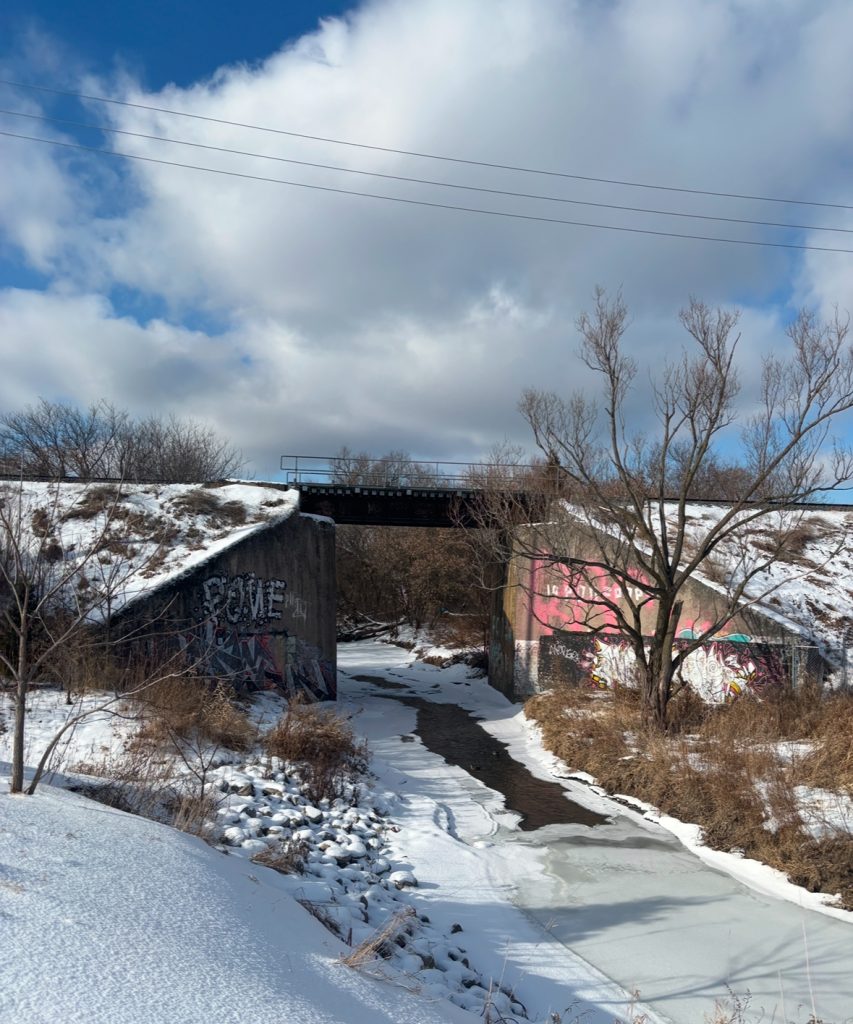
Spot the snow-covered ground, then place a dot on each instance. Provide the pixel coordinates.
(806, 588)
(109, 917)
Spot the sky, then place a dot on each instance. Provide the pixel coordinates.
(293, 318)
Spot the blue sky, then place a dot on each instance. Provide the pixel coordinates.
(294, 319)
(162, 41)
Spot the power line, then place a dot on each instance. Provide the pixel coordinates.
(424, 156)
(424, 202)
(423, 181)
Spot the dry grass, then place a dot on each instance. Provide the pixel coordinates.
(725, 775)
(187, 708)
(322, 745)
(201, 502)
(377, 946)
(192, 810)
(287, 857)
(830, 765)
(95, 500)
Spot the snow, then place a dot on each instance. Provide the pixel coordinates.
(109, 917)
(810, 591)
(121, 918)
(161, 534)
(637, 901)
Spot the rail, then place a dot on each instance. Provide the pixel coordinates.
(359, 471)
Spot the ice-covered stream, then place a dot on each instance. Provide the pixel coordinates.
(624, 894)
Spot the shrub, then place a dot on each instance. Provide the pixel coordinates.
(95, 500)
(187, 708)
(199, 502)
(322, 745)
(202, 502)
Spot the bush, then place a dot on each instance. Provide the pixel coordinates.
(323, 747)
(187, 708)
(287, 857)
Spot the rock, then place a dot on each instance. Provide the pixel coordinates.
(403, 879)
(247, 789)
(380, 865)
(356, 849)
(253, 846)
(234, 835)
(331, 849)
(313, 814)
(455, 928)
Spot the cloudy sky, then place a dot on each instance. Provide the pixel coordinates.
(296, 319)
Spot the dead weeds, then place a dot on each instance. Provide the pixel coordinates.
(322, 745)
(188, 708)
(725, 773)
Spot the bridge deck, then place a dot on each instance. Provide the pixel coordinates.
(362, 505)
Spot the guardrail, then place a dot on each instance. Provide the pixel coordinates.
(358, 471)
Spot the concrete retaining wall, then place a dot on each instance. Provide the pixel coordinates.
(261, 615)
(543, 636)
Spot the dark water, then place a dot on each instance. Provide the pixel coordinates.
(386, 684)
(451, 732)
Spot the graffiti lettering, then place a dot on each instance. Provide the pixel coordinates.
(247, 600)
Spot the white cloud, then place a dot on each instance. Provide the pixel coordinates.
(384, 325)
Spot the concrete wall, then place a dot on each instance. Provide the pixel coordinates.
(262, 614)
(543, 634)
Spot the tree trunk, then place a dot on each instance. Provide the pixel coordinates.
(658, 671)
(20, 713)
(18, 738)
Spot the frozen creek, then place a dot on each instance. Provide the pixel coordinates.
(622, 899)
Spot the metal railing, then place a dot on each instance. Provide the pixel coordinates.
(362, 471)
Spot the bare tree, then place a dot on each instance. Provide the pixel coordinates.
(394, 469)
(626, 494)
(55, 602)
(56, 440)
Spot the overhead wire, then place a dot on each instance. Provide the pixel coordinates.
(423, 155)
(421, 181)
(426, 203)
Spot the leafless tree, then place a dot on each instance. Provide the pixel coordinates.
(394, 469)
(626, 494)
(55, 601)
(56, 440)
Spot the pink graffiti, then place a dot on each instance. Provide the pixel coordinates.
(565, 599)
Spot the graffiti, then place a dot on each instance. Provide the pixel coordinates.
(308, 673)
(297, 606)
(722, 670)
(560, 649)
(242, 599)
(719, 671)
(695, 628)
(246, 660)
(238, 637)
(570, 600)
(610, 664)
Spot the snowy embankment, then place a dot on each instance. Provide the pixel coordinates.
(109, 917)
(121, 541)
(113, 917)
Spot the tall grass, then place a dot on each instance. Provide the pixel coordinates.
(721, 768)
